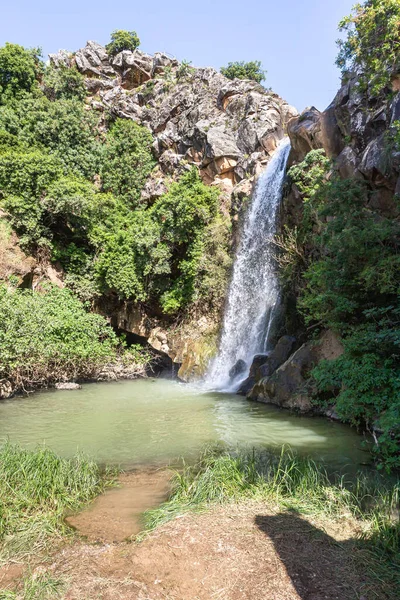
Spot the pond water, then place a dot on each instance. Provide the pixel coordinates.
(155, 421)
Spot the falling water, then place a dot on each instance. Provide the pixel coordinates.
(253, 292)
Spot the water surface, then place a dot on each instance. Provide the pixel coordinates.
(152, 421)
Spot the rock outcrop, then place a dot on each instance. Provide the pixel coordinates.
(287, 385)
(227, 128)
(197, 116)
(355, 131)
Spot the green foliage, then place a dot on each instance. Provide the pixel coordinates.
(244, 70)
(48, 336)
(157, 252)
(37, 487)
(19, 71)
(372, 46)
(350, 283)
(63, 83)
(127, 160)
(185, 71)
(366, 382)
(122, 40)
(63, 128)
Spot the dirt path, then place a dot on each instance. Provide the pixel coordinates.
(229, 553)
(116, 515)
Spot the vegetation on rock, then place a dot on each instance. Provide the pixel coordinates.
(122, 40)
(371, 47)
(244, 70)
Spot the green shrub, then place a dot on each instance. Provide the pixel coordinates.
(63, 83)
(127, 160)
(48, 336)
(155, 253)
(19, 71)
(371, 47)
(349, 282)
(122, 40)
(63, 128)
(244, 70)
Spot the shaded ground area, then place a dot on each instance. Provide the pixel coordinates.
(229, 553)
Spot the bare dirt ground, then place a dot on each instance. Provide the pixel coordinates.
(236, 552)
(229, 553)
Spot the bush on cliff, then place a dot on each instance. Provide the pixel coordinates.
(244, 70)
(371, 47)
(20, 69)
(122, 40)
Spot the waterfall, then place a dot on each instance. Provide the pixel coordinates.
(253, 292)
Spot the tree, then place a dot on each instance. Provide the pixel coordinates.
(244, 70)
(19, 71)
(372, 45)
(122, 40)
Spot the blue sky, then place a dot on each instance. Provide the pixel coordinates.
(294, 39)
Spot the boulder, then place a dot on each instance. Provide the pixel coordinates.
(305, 133)
(68, 385)
(264, 365)
(61, 59)
(135, 67)
(287, 387)
(238, 368)
(221, 144)
(346, 164)
(93, 60)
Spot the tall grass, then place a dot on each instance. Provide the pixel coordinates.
(42, 586)
(289, 481)
(36, 488)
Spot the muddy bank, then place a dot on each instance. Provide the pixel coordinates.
(116, 515)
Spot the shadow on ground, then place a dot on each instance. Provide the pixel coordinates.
(319, 566)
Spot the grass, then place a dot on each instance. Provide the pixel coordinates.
(36, 489)
(291, 482)
(42, 586)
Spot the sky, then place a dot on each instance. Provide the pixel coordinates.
(294, 39)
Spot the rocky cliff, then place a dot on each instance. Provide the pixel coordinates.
(227, 129)
(357, 132)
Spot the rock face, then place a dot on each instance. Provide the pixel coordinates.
(354, 130)
(197, 116)
(227, 128)
(286, 384)
(265, 364)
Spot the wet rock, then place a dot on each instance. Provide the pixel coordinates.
(277, 357)
(6, 389)
(68, 385)
(238, 368)
(287, 387)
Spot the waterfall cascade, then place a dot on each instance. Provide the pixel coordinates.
(253, 292)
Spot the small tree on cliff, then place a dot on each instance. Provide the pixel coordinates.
(122, 40)
(244, 70)
(372, 45)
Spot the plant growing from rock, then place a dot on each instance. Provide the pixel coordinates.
(372, 44)
(244, 70)
(122, 40)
